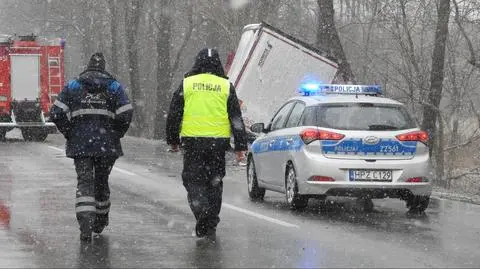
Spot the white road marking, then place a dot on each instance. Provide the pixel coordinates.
(260, 216)
(229, 206)
(124, 171)
(55, 148)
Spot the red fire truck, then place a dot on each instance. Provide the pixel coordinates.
(31, 77)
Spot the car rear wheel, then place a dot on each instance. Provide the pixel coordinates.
(367, 204)
(294, 200)
(417, 203)
(254, 191)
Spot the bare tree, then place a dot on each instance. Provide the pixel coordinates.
(132, 21)
(473, 59)
(112, 4)
(87, 23)
(164, 25)
(166, 68)
(267, 9)
(430, 112)
(328, 39)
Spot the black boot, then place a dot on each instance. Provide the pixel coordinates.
(86, 235)
(85, 220)
(101, 221)
(211, 235)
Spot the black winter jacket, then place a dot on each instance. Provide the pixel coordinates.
(93, 113)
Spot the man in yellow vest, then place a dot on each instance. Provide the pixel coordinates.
(203, 115)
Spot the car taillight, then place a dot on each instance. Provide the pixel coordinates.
(321, 179)
(416, 180)
(310, 135)
(414, 136)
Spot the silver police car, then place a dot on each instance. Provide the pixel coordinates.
(341, 140)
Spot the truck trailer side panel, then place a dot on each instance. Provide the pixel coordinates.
(270, 69)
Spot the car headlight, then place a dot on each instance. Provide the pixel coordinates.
(3, 98)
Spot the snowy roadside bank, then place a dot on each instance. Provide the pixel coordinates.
(443, 193)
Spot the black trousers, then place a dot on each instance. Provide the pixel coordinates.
(203, 171)
(93, 192)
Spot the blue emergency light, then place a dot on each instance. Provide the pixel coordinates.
(313, 89)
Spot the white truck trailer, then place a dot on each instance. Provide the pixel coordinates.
(268, 68)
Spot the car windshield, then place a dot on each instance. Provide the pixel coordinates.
(364, 116)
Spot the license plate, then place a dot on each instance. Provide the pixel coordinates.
(371, 175)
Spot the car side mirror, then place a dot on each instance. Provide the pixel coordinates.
(258, 128)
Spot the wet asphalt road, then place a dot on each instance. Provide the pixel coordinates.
(151, 224)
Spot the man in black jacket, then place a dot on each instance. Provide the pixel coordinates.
(205, 112)
(93, 113)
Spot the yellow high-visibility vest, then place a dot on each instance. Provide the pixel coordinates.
(205, 108)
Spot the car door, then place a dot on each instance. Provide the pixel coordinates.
(269, 145)
(287, 142)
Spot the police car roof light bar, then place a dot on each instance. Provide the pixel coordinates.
(313, 89)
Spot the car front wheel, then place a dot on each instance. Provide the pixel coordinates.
(254, 191)
(294, 199)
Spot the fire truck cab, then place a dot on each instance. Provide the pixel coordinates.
(31, 77)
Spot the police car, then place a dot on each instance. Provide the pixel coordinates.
(340, 140)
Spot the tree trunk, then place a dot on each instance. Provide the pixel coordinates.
(430, 111)
(267, 9)
(114, 33)
(166, 68)
(439, 153)
(454, 114)
(164, 75)
(212, 36)
(367, 43)
(327, 38)
(88, 26)
(133, 20)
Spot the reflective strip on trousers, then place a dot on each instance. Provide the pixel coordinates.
(102, 211)
(124, 109)
(103, 207)
(92, 111)
(85, 199)
(85, 208)
(101, 204)
(85, 204)
(61, 105)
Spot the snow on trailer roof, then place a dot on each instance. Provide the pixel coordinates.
(323, 53)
